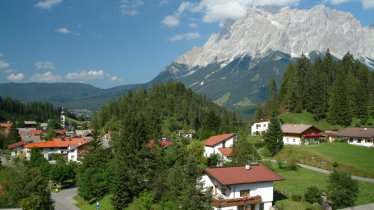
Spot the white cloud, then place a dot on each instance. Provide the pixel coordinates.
(173, 20)
(85, 75)
(220, 10)
(130, 7)
(46, 77)
(193, 25)
(114, 78)
(170, 21)
(367, 4)
(338, 1)
(65, 30)
(47, 65)
(47, 4)
(4, 65)
(15, 77)
(186, 36)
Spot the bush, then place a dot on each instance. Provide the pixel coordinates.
(312, 194)
(296, 197)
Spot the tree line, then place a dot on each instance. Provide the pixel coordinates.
(332, 89)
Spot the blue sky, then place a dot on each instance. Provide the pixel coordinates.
(114, 42)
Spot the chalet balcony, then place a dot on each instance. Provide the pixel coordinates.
(244, 201)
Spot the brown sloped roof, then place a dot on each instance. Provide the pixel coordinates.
(295, 128)
(240, 175)
(214, 140)
(227, 151)
(356, 132)
(17, 144)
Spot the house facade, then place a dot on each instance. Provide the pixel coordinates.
(299, 134)
(214, 143)
(247, 187)
(259, 127)
(358, 136)
(55, 146)
(186, 133)
(17, 149)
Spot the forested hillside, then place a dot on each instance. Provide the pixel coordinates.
(336, 90)
(14, 110)
(168, 107)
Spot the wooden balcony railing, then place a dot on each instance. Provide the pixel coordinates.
(244, 201)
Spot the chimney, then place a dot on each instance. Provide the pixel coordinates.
(247, 166)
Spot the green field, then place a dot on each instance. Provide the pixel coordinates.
(297, 182)
(355, 160)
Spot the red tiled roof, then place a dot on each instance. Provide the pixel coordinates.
(240, 175)
(214, 140)
(60, 131)
(55, 143)
(17, 144)
(163, 143)
(6, 125)
(35, 132)
(226, 151)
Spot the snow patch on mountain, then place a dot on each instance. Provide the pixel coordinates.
(292, 31)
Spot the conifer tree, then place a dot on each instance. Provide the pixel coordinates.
(274, 136)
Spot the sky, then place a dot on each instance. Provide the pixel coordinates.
(108, 43)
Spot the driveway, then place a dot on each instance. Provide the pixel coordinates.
(64, 200)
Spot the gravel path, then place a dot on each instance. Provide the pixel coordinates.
(64, 200)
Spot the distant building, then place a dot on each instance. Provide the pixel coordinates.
(299, 134)
(259, 127)
(358, 136)
(243, 187)
(5, 128)
(186, 133)
(17, 149)
(214, 143)
(30, 124)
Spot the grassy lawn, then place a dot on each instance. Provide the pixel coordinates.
(307, 118)
(357, 156)
(290, 204)
(352, 159)
(296, 183)
(105, 203)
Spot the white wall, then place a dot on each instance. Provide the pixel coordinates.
(73, 154)
(292, 140)
(208, 151)
(259, 127)
(364, 142)
(263, 189)
(16, 151)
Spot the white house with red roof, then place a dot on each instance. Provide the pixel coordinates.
(214, 143)
(55, 146)
(242, 187)
(17, 149)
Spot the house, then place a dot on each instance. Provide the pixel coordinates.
(5, 128)
(225, 153)
(17, 149)
(242, 187)
(77, 151)
(30, 134)
(213, 143)
(55, 146)
(358, 136)
(300, 134)
(164, 143)
(259, 127)
(186, 133)
(30, 124)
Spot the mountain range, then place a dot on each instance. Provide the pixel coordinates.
(234, 67)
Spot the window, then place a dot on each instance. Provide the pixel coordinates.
(359, 141)
(261, 206)
(224, 144)
(350, 140)
(258, 125)
(294, 140)
(244, 193)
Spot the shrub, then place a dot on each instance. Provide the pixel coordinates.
(312, 194)
(296, 197)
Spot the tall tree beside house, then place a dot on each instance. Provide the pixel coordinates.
(343, 190)
(243, 150)
(274, 137)
(12, 137)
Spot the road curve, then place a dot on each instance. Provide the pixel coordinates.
(64, 200)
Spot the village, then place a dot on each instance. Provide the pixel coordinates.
(246, 187)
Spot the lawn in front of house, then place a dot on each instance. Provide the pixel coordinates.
(297, 182)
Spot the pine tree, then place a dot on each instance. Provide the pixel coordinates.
(274, 136)
(243, 150)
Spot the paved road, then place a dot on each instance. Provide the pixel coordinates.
(64, 200)
(364, 179)
(361, 207)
